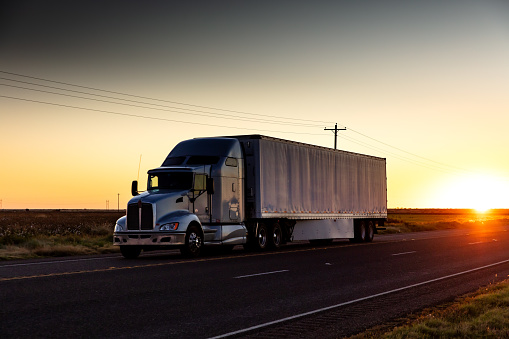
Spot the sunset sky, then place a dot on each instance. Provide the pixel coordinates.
(89, 87)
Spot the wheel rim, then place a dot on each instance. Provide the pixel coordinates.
(194, 242)
(371, 231)
(363, 231)
(262, 237)
(276, 236)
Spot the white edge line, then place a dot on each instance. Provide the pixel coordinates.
(404, 253)
(254, 275)
(356, 300)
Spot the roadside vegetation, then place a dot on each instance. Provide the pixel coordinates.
(51, 233)
(418, 220)
(482, 314)
(32, 234)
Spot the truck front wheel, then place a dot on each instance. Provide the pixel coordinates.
(193, 244)
(130, 252)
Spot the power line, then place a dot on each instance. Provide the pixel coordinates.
(402, 158)
(195, 112)
(425, 162)
(413, 161)
(454, 168)
(154, 99)
(147, 117)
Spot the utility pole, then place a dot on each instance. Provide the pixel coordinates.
(107, 204)
(335, 129)
(118, 202)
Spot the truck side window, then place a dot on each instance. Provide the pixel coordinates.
(200, 182)
(231, 162)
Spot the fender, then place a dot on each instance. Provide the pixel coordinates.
(183, 217)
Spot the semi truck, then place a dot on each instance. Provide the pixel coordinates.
(253, 190)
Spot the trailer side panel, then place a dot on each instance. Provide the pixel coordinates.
(298, 181)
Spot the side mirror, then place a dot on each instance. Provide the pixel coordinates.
(210, 185)
(134, 188)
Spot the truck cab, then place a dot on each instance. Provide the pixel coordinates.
(194, 199)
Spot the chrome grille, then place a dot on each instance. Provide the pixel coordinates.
(133, 217)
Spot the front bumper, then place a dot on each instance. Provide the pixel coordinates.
(149, 238)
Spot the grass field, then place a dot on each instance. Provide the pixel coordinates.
(482, 314)
(417, 220)
(44, 233)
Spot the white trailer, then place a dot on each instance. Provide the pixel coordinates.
(314, 193)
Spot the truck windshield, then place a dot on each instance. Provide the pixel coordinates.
(170, 180)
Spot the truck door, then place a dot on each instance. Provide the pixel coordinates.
(199, 201)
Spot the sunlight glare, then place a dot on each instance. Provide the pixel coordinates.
(479, 192)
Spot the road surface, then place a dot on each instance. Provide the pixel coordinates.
(299, 291)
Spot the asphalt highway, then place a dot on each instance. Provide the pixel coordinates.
(298, 291)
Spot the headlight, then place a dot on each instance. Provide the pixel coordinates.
(118, 228)
(169, 227)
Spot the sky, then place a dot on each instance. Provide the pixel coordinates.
(87, 89)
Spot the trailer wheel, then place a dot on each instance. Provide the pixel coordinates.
(359, 231)
(276, 236)
(194, 242)
(130, 252)
(261, 237)
(370, 231)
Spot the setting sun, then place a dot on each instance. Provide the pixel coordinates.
(481, 192)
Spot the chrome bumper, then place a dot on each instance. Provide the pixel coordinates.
(149, 238)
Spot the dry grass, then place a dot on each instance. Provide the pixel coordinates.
(483, 314)
(30, 234)
(417, 220)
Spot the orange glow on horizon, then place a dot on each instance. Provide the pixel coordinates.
(481, 192)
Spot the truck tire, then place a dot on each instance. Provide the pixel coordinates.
(276, 236)
(193, 242)
(130, 252)
(262, 235)
(370, 231)
(359, 231)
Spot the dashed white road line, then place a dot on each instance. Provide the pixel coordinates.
(252, 328)
(403, 253)
(482, 242)
(257, 274)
